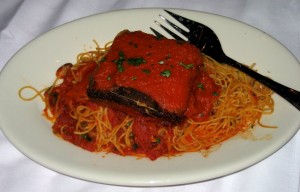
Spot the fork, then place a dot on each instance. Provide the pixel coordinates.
(207, 41)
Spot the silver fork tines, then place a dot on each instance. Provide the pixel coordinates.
(175, 36)
(192, 35)
(182, 31)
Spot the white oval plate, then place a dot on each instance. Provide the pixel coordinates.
(35, 64)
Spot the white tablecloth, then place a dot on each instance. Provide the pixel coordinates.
(21, 21)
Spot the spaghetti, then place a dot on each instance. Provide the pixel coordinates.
(235, 109)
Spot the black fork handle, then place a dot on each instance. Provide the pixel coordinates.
(289, 94)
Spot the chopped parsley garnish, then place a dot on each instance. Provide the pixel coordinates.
(131, 61)
(161, 62)
(128, 125)
(121, 55)
(187, 66)
(158, 140)
(147, 71)
(215, 94)
(108, 78)
(120, 61)
(86, 137)
(200, 86)
(136, 61)
(166, 73)
(120, 66)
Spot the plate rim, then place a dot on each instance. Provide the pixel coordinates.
(142, 183)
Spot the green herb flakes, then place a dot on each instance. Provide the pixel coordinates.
(187, 66)
(147, 71)
(161, 62)
(136, 61)
(86, 137)
(120, 61)
(165, 73)
(200, 86)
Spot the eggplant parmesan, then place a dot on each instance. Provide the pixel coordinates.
(151, 75)
(149, 97)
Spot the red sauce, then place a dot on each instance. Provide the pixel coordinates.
(70, 95)
(145, 136)
(205, 92)
(166, 68)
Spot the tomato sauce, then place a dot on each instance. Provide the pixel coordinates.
(204, 94)
(65, 97)
(146, 136)
(160, 68)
